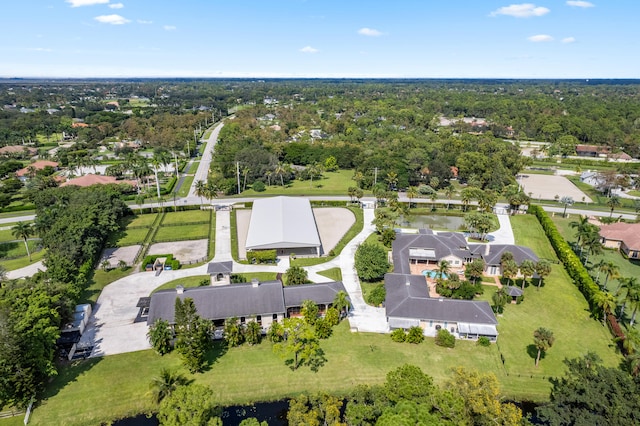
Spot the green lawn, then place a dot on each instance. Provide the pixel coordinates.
(528, 232)
(21, 262)
(333, 274)
(5, 215)
(127, 237)
(187, 282)
(141, 221)
(12, 224)
(634, 193)
(17, 249)
(188, 216)
(180, 233)
(332, 183)
(7, 235)
(186, 186)
(117, 386)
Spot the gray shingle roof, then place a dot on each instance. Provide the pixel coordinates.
(221, 302)
(322, 293)
(443, 244)
(220, 268)
(520, 253)
(413, 301)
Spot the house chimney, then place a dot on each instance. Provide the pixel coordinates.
(179, 289)
(255, 282)
(487, 247)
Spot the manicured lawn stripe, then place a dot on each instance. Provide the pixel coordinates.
(180, 233)
(141, 221)
(188, 216)
(21, 262)
(128, 237)
(528, 232)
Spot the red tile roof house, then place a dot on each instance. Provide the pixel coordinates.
(592, 150)
(23, 174)
(88, 180)
(622, 236)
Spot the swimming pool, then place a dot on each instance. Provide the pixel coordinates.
(433, 274)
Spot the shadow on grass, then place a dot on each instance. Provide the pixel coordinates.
(68, 372)
(532, 351)
(217, 351)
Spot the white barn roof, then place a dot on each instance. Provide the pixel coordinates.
(282, 222)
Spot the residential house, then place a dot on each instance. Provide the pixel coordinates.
(622, 236)
(24, 173)
(592, 150)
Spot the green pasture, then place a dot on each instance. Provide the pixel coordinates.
(188, 216)
(182, 233)
(331, 183)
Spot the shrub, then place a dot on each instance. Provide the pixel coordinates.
(323, 328)
(371, 261)
(261, 256)
(519, 299)
(377, 295)
(415, 335)
(483, 341)
(398, 335)
(446, 339)
(258, 186)
(276, 332)
(332, 316)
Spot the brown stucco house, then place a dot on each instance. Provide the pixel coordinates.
(622, 236)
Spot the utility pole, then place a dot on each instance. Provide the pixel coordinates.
(238, 174)
(375, 177)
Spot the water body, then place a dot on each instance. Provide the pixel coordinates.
(274, 413)
(451, 223)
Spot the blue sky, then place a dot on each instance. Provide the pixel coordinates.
(320, 38)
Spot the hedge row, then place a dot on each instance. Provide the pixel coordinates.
(567, 256)
(261, 256)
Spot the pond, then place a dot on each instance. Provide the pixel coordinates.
(451, 223)
(274, 413)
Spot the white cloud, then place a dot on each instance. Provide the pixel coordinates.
(524, 10)
(580, 3)
(116, 6)
(78, 3)
(169, 27)
(143, 22)
(112, 19)
(568, 39)
(540, 38)
(40, 49)
(369, 32)
(309, 49)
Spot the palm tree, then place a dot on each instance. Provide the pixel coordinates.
(542, 339)
(527, 269)
(392, 180)
(412, 193)
(627, 285)
(567, 201)
(466, 195)
(543, 269)
(606, 302)
(444, 268)
(156, 163)
(245, 173)
(268, 174)
(610, 270)
(448, 192)
(23, 231)
(351, 191)
(279, 171)
(582, 226)
(613, 202)
(499, 298)
(509, 270)
(593, 245)
(341, 302)
(201, 190)
(166, 383)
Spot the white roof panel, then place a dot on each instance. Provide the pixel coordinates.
(282, 222)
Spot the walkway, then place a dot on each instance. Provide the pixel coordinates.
(27, 271)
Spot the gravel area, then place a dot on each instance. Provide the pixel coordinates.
(184, 251)
(114, 255)
(546, 187)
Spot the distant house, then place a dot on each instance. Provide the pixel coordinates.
(592, 150)
(17, 151)
(90, 179)
(264, 302)
(24, 173)
(620, 156)
(622, 236)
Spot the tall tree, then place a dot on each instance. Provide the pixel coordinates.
(371, 261)
(527, 269)
(23, 231)
(341, 302)
(543, 269)
(301, 346)
(192, 405)
(613, 202)
(543, 339)
(160, 336)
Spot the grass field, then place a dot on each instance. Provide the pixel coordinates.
(21, 262)
(188, 216)
(187, 282)
(127, 237)
(180, 233)
(332, 183)
(17, 249)
(140, 221)
(528, 232)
